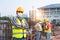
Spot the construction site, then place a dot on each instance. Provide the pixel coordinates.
(40, 23)
(6, 28)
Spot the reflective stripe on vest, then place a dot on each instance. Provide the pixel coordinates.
(18, 21)
(18, 33)
(23, 21)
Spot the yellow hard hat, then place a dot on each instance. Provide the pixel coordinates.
(47, 20)
(19, 9)
(39, 20)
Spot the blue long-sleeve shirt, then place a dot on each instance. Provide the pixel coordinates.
(14, 22)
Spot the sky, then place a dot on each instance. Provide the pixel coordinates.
(8, 7)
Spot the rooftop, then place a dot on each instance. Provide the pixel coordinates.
(52, 6)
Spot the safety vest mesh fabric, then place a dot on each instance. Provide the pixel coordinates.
(23, 21)
(18, 21)
(40, 28)
(48, 30)
(18, 32)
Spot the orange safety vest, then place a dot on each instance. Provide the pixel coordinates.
(48, 28)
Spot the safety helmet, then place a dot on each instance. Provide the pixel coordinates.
(39, 19)
(19, 10)
(46, 20)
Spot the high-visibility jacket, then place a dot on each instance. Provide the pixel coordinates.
(39, 26)
(48, 28)
(18, 32)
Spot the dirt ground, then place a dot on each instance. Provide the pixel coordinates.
(57, 32)
(57, 35)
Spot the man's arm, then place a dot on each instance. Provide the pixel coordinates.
(25, 23)
(35, 27)
(14, 22)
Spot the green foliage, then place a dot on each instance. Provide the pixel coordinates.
(4, 18)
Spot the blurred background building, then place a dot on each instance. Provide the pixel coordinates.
(50, 11)
(32, 15)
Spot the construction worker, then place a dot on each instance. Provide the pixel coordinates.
(38, 28)
(47, 29)
(53, 26)
(18, 25)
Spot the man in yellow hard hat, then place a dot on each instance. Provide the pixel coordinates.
(38, 28)
(19, 25)
(47, 28)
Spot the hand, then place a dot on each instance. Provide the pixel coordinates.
(24, 25)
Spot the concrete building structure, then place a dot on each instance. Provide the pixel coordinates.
(50, 11)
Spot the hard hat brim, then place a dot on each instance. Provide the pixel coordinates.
(19, 11)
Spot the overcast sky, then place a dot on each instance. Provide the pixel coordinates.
(8, 7)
